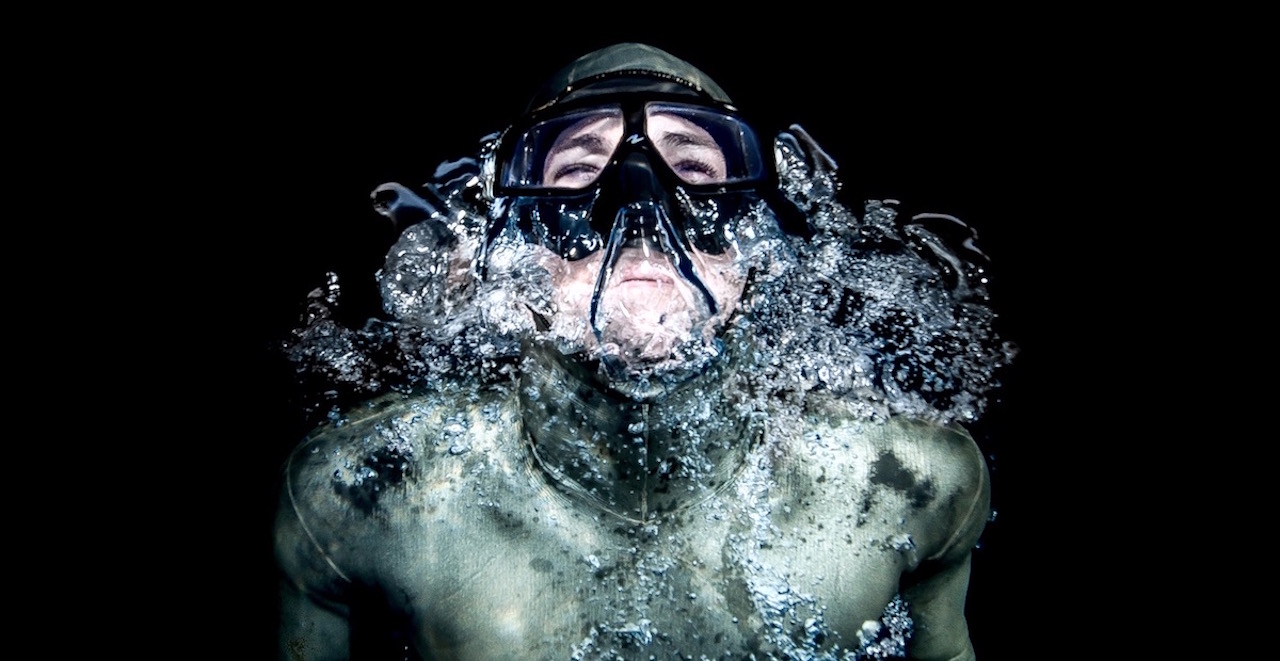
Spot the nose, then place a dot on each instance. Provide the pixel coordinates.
(638, 183)
(632, 202)
(635, 207)
(639, 194)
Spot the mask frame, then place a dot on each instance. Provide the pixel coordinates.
(575, 222)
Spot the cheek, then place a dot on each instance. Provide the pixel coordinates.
(574, 281)
(723, 277)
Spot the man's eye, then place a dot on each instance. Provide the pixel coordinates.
(694, 171)
(573, 175)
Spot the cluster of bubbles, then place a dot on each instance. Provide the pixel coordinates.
(889, 314)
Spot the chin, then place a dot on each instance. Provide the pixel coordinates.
(649, 333)
(647, 356)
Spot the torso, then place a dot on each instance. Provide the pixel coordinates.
(489, 559)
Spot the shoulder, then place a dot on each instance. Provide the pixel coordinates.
(946, 454)
(943, 453)
(395, 438)
(367, 471)
(950, 466)
(355, 487)
(936, 471)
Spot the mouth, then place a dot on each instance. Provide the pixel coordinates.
(646, 277)
(639, 270)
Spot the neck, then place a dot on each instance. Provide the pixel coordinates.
(638, 453)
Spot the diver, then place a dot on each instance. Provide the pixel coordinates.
(651, 422)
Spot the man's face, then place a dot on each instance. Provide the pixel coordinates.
(647, 308)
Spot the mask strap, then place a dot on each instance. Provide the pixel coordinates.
(681, 258)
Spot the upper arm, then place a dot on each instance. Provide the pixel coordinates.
(936, 589)
(314, 618)
(309, 630)
(936, 595)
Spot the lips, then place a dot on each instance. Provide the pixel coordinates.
(642, 272)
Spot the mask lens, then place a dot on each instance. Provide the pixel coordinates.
(565, 152)
(568, 174)
(703, 146)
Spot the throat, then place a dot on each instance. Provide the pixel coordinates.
(638, 460)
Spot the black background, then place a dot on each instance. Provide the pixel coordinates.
(301, 125)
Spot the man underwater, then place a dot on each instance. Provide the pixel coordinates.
(670, 400)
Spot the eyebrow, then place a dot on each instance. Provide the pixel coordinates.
(681, 138)
(592, 142)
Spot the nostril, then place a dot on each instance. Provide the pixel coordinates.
(636, 179)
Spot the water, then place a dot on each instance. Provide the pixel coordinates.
(883, 315)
